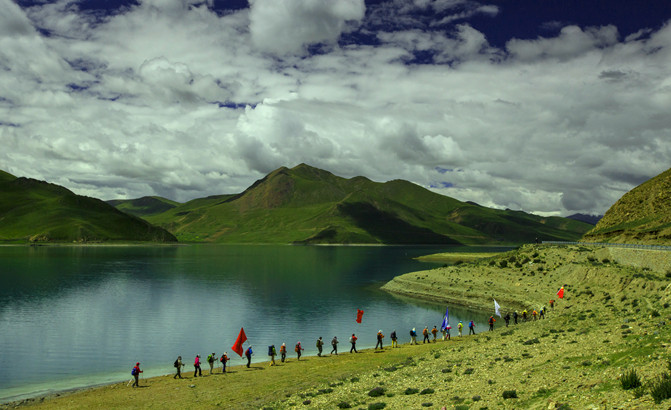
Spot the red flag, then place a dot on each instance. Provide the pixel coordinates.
(560, 293)
(359, 315)
(237, 346)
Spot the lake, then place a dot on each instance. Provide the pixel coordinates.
(73, 316)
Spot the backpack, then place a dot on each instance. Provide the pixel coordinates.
(134, 371)
(176, 364)
(210, 359)
(270, 350)
(297, 348)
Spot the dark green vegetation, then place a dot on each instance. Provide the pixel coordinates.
(37, 211)
(147, 205)
(311, 206)
(642, 215)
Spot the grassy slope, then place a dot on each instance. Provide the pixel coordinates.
(308, 205)
(32, 210)
(643, 215)
(605, 325)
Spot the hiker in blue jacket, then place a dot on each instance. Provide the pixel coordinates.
(249, 354)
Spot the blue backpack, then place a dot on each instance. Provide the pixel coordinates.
(134, 371)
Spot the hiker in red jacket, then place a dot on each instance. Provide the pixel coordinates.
(196, 365)
(136, 373)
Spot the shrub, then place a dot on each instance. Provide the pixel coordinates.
(391, 369)
(376, 406)
(630, 380)
(510, 394)
(476, 398)
(344, 405)
(306, 402)
(660, 389)
(503, 264)
(410, 391)
(354, 379)
(427, 391)
(427, 404)
(470, 370)
(376, 392)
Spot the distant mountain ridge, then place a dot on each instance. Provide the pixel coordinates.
(589, 219)
(642, 215)
(37, 211)
(307, 205)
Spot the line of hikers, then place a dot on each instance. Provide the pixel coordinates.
(298, 348)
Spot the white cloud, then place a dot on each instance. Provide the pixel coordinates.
(289, 26)
(151, 100)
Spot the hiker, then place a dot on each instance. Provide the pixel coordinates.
(460, 327)
(298, 349)
(471, 327)
(507, 318)
(552, 303)
(434, 331)
(334, 343)
(196, 366)
(524, 315)
(283, 352)
(249, 354)
(446, 332)
(394, 339)
(542, 312)
(425, 332)
(210, 360)
(491, 323)
(224, 358)
(534, 314)
(272, 353)
(515, 315)
(380, 336)
(413, 337)
(136, 373)
(178, 365)
(352, 340)
(320, 343)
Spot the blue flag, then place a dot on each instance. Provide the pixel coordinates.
(446, 320)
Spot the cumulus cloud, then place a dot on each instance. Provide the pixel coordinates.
(288, 27)
(173, 98)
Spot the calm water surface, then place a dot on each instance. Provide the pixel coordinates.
(78, 316)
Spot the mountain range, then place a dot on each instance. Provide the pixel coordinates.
(307, 205)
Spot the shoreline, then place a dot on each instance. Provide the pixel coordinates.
(613, 319)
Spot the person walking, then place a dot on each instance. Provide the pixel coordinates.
(447, 332)
(178, 365)
(334, 344)
(471, 328)
(224, 358)
(413, 336)
(542, 312)
(507, 318)
(320, 343)
(272, 353)
(491, 323)
(196, 367)
(298, 349)
(515, 316)
(136, 374)
(425, 332)
(353, 340)
(249, 354)
(552, 303)
(210, 360)
(380, 336)
(534, 314)
(283, 352)
(434, 332)
(460, 327)
(524, 315)
(394, 339)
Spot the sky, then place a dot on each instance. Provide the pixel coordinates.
(553, 107)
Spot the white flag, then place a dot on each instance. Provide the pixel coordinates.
(497, 308)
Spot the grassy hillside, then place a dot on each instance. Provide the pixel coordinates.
(309, 205)
(147, 205)
(37, 211)
(642, 215)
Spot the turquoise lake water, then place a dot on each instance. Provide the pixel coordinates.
(73, 316)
